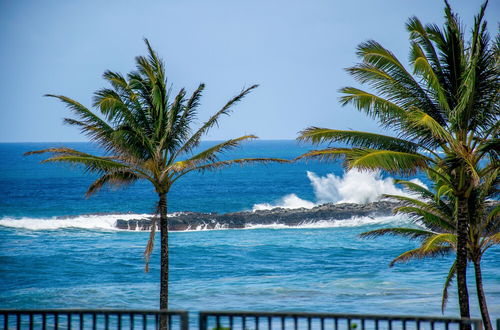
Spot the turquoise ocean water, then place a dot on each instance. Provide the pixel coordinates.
(60, 250)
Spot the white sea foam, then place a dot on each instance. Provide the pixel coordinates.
(207, 226)
(353, 187)
(291, 201)
(352, 222)
(107, 223)
(91, 221)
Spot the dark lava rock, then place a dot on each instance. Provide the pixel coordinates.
(288, 217)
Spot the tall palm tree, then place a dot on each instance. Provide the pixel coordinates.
(148, 134)
(437, 230)
(445, 114)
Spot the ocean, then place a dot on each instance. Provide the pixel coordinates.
(61, 250)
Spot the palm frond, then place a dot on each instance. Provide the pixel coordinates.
(402, 85)
(490, 241)
(426, 194)
(410, 233)
(100, 131)
(445, 220)
(90, 162)
(194, 140)
(116, 178)
(224, 163)
(419, 253)
(397, 162)
(420, 35)
(212, 154)
(421, 120)
(318, 135)
(426, 217)
(437, 241)
(447, 284)
(423, 67)
(388, 113)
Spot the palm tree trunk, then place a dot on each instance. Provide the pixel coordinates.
(462, 238)
(164, 251)
(481, 296)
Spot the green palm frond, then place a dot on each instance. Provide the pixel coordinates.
(116, 179)
(490, 241)
(427, 206)
(438, 241)
(420, 35)
(419, 253)
(493, 216)
(194, 140)
(426, 194)
(91, 164)
(372, 159)
(325, 154)
(397, 162)
(410, 233)
(421, 120)
(183, 169)
(491, 147)
(318, 135)
(388, 113)
(91, 124)
(212, 154)
(426, 217)
(416, 188)
(401, 86)
(422, 66)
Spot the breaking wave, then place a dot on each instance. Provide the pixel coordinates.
(353, 187)
(291, 201)
(352, 222)
(91, 221)
(107, 223)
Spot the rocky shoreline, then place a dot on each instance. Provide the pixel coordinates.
(289, 217)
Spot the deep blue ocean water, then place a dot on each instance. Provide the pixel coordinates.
(59, 250)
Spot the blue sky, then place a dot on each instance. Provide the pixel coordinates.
(295, 50)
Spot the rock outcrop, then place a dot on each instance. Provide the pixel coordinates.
(289, 217)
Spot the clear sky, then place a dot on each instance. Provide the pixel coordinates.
(295, 50)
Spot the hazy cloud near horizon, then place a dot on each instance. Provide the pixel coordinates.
(295, 50)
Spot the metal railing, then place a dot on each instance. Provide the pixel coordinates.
(216, 320)
(92, 319)
(281, 321)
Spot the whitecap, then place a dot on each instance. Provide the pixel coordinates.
(91, 221)
(353, 187)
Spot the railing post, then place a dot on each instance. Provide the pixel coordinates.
(478, 324)
(203, 321)
(184, 320)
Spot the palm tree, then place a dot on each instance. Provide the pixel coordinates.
(148, 134)
(437, 230)
(445, 114)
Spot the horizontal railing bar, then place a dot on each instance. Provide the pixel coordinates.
(92, 311)
(340, 316)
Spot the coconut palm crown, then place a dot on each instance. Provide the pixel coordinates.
(444, 112)
(147, 133)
